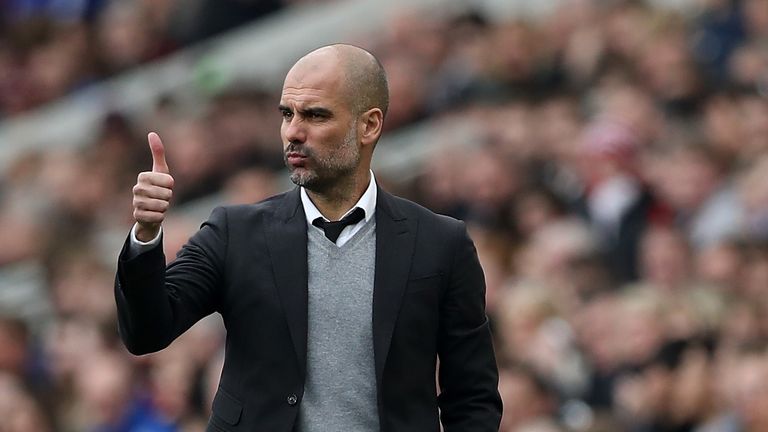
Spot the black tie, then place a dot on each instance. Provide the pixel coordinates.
(333, 229)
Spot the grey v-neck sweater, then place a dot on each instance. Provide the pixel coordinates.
(340, 389)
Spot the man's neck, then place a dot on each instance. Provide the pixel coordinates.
(335, 202)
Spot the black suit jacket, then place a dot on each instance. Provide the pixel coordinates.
(250, 264)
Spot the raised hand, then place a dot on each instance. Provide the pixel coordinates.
(152, 192)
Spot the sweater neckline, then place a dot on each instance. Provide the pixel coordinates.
(324, 242)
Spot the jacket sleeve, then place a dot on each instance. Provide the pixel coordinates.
(156, 304)
(469, 399)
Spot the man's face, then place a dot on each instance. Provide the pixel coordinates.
(320, 142)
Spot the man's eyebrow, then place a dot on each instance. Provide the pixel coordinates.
(325, 112)
(282, 108)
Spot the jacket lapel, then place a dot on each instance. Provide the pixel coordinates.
(394, 252)
(287, 242)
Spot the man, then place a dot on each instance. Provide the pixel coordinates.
(329, 327)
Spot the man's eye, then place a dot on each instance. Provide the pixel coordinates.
(287, 115)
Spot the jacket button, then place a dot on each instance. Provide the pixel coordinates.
(292, 399)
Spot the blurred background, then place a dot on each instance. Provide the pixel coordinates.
(610, 159)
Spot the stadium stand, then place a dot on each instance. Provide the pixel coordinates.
(609, 158)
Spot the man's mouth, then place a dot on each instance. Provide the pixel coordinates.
(295, 159)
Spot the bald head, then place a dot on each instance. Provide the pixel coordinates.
(365, 82)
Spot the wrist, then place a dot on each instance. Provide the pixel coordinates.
(145, 233)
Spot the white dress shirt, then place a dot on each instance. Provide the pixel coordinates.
(367, 202)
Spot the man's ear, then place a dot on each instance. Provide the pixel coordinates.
(370, 125)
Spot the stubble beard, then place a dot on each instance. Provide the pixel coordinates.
(328, 170)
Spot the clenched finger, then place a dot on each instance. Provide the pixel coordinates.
(151, 191)
(156, 179)
(150, 204)
(148, 216)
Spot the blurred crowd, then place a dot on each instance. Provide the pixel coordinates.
(51, 48)
(616, 189)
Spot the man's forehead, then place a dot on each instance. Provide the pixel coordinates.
(309, 91)
(318, 69)
(306, 97)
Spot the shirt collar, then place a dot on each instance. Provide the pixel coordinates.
(367, 202)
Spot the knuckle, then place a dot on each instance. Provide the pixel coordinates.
(148, 217)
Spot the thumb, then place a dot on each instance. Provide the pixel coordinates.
(158, 153)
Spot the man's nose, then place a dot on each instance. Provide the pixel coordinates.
(294, 131)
